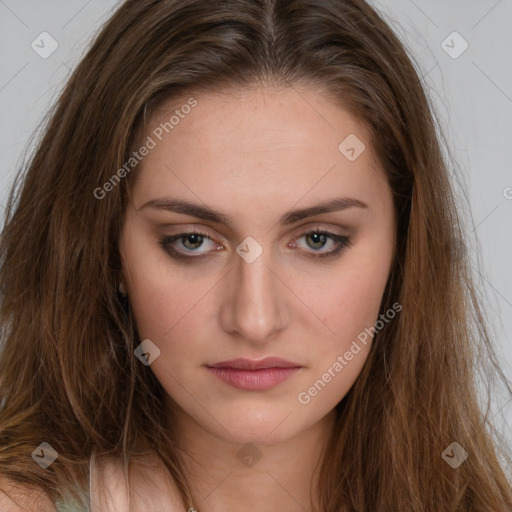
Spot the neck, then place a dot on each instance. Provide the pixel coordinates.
(281, 475)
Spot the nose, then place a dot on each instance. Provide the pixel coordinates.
(254, 307)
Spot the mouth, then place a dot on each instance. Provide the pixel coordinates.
(254, 375)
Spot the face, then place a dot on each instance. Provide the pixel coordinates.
(267, 274)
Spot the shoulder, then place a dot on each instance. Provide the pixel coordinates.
(15, 497)
(152, 489)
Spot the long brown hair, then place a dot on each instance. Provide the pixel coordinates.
(68, 375)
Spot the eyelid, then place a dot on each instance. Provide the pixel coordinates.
(308, 228)
(342, 241)
(167, 241)
(301, 231)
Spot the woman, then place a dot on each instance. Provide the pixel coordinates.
(233, 277)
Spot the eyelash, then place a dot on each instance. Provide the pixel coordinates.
(341, 241)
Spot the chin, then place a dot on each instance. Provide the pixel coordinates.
(259, 435)
(260, 427)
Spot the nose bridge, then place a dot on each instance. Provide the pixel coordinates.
(254, 306)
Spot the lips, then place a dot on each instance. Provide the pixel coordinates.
(254, 375)
(252, 364)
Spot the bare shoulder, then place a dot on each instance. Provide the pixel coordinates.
(15, 497)
(151, 488)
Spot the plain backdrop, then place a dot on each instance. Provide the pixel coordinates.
(461, 48)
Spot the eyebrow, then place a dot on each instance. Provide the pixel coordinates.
(206, 213)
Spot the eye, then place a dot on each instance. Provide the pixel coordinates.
(318, 237)
(191, 241)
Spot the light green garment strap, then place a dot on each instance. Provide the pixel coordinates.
(72, 506)
(67, 507)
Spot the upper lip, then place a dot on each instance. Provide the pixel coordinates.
(253, 364)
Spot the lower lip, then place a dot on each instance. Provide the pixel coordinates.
(255, 380)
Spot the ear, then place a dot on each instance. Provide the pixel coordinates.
(122, 288)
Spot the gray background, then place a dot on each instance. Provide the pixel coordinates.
(472, 95)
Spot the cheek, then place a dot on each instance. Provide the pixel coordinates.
(162, 295)
(350, 305)
(164, 308)
(351, 302)
(351, 313)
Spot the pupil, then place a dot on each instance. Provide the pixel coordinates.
(193, 237)
(318, 238)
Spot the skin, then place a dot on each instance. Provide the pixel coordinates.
(255, 154)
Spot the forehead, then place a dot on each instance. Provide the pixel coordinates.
(256, 119)
(258, 145)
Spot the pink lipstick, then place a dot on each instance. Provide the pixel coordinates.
(254, 375)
